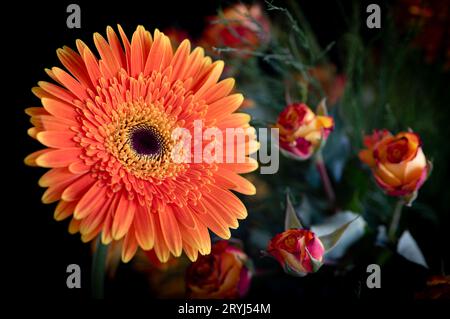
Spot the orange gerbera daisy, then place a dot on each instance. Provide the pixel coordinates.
(107, 126)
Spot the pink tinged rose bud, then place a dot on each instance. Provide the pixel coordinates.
(299, 251)
(225, 273)
(301, 131)
(398, 163)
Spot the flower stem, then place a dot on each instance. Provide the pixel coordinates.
(395, 219)
(328, 187)
(98, 270)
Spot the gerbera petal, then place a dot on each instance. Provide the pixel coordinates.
(92, 224)
(204, 239)
(214, 222)
(59, 109)
(57, 139)
(93, 199)
(130, 246)
(220, 212)
(180, 59)
(70, 83)
(78, 188)
(54, 192)
(79, 167)
(219, 90)
(144, 227)
(36, 111)
(92, 66)
(161, 249)
(107, 224)
(248, 166)
(241, 184)
(51, 123)
(74, 226)
(184, 216)
(116, 47)
(40, 93)
(33, 132)
(63, 210)
(30, 160)
(191, 252)
(58, 158)
(106, 54)
(137, 53)
(159, 53)
(85, 238)
(224, 106)
(170, 230)
(56, 176)
(74, 63)
(193, 64)
(197, 237)
(210, 80)
(57, 91)
(127, 46)
(123, 217)
(234, 120)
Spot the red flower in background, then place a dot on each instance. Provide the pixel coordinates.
(239, 26)
(431, 19)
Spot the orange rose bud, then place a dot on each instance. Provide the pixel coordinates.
(398, 162)
(301, 131)
(299, 251)
(225, 273)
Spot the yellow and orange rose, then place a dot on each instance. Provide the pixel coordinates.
(397, 162)
(225, 273)
(299, 251)
(301, 131)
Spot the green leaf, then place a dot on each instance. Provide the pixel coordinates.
(409, 249)
(329, 241)
(291, 219)
(322, 108)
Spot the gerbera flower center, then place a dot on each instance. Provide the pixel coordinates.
(139, 136)
(146, 140)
